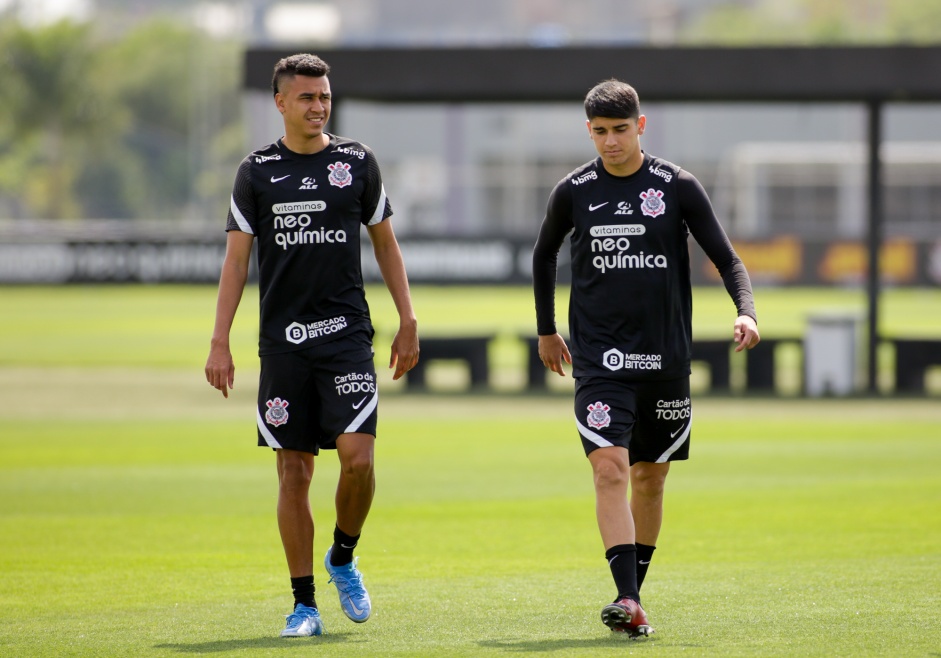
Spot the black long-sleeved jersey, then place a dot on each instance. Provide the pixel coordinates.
(306, 212)
(630, 311)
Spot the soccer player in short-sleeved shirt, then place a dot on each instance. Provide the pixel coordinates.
(629, 215)
(305, 199)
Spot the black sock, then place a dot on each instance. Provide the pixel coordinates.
(343, 545)
(623, 563)
(303, 589)
(644, 555)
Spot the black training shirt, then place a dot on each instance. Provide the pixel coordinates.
(306, 212)
(630, 312)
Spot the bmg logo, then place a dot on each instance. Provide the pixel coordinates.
(613, 359)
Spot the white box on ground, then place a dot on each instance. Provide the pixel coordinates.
(832, 353)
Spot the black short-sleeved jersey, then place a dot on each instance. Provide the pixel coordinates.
(306, 212)
(630, 312)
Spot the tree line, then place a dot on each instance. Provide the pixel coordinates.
(146, 125)
(818, 22)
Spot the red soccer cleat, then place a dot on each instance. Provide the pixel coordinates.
(626, 616)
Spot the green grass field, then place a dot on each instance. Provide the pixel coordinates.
(137, 517)
(168, 327)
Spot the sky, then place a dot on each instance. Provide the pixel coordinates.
(40, 12)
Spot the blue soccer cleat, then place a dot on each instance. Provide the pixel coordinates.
(354, 599)
(303, 622)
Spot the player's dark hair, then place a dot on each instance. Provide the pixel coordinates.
(612, 99)
(300, 64)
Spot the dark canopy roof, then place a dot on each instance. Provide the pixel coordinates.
(900, 73)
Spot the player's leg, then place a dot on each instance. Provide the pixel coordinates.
(661, 436)
(611, 472)
(295, 519)
(355, 489)
(648, 482)
(346, 384)
(296, 525)
(349, 412)
(604, 415)
(354, 496)
(647, 486)
(284, 414)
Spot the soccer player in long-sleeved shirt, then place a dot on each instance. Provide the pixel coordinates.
(630, 319)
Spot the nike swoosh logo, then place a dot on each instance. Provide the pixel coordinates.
(353, 606)
(360, 403)
(275, 180)
(673, 434)
(642, 562)
(593, 208)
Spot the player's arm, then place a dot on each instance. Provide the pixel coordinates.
(220, 369)
(556, 225)
(704, 225)
(404, 354)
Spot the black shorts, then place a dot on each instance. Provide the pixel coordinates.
(306, 399)
(651, 419)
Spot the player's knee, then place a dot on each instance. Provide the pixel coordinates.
(294, 482)
(294, 472)
(648, 480)
(356, 455)
(610, 473)
(358, 466)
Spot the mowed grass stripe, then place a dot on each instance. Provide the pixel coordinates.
(797, 528)
(169, 326)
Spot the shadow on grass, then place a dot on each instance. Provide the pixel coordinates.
(567, 644)
(287, 643)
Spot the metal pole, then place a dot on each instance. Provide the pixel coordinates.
(875, 221)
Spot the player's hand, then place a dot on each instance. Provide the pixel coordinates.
(220, 369)
(404, 349)
(552, 350)
(745, 333)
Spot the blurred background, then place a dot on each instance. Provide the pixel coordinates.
(135, 110)
(123, 123)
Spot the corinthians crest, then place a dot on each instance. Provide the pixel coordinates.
(653, 205)
(598, 415)
(277, 413)
(340, 175)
